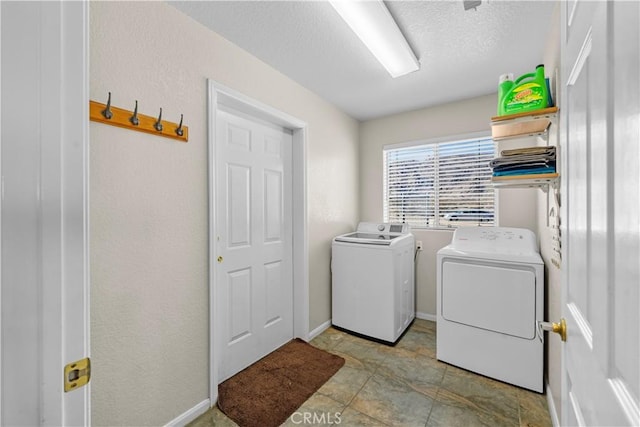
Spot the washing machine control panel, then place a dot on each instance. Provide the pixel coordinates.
(384, 228)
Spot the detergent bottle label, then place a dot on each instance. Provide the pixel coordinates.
(525, 97)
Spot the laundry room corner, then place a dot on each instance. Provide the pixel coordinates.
(471, 116)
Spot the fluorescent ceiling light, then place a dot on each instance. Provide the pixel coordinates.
(372, 22)
(471, 4)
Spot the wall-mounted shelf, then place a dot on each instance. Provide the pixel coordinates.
(529, 124)
(522, 124)
(542, 181)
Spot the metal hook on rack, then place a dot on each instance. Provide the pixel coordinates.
(107, 111)
(134, 119)
(179, 130)
(158, 124)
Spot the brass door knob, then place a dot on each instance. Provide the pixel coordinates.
(559, 328)
(220, 259)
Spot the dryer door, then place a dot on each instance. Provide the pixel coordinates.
(495, 296)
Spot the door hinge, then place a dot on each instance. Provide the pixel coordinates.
(77, 374)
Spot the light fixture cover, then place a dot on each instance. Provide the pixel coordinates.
(374, 25)
(471, 4)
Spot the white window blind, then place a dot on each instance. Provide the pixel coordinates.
(447, 184)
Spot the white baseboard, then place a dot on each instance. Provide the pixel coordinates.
(190, 415)
(426, 316)
(552, 407)
(320, 329)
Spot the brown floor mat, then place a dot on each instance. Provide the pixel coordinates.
(266, 393)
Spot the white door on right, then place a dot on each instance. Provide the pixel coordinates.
(601, 212)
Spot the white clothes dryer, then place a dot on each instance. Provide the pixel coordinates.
(373, 289)
(490, 298)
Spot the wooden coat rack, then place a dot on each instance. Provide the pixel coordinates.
(114, 116)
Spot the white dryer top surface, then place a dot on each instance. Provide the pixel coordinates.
(500, 243)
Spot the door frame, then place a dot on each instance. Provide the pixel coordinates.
(62, 119)
(220, 96)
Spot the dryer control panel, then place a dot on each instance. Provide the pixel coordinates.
(495, 239)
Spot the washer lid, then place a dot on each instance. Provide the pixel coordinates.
(500, 243)
(367, 238)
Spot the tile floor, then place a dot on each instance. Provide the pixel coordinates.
(405, 385)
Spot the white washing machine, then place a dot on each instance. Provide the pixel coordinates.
(490, 298)
(373, 288)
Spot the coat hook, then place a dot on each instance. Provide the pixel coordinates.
(134, 119)
(179, 130)
(158, 125)
(107, 111)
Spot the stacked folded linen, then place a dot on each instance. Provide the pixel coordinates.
(525, 161)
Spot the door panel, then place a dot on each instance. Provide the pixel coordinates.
(21, 230)
(578, 196)
(239, 184)
(273, 284)
(273, 205)
(626, 218)
(626, 128)
(238, 138)
(239, 284)
(601, 214)
(254, 240)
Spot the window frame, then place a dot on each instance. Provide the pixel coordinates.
(439, 140)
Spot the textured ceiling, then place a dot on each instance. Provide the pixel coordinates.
(462, 53)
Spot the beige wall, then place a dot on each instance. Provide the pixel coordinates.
(516, 208)
(553, 290)
(149, 205)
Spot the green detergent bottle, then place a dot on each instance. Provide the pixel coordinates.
(528, 93)
(505, 83)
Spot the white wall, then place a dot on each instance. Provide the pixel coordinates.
(517, 207)
(149, 204)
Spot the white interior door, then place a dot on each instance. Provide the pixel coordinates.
(601, 213)
(44, 288)
(253, 239)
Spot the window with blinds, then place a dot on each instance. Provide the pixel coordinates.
(445, 184)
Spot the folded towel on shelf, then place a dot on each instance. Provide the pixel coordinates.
(524, 166)
(525, 161)
(519, 160)
(533, 171)
(550, 150)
